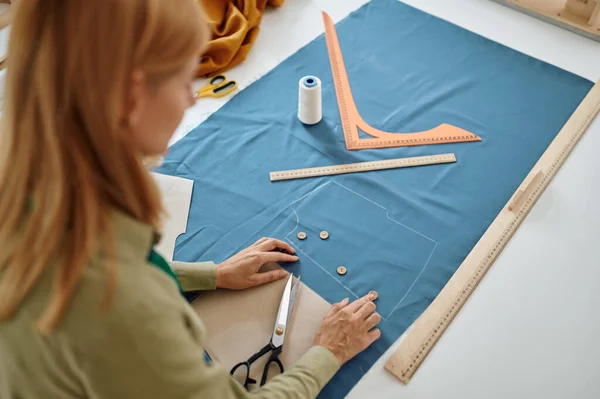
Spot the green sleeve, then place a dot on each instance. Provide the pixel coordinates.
(194, 276)
(155, 350)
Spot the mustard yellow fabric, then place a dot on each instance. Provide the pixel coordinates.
(234, 26)
(148, 345)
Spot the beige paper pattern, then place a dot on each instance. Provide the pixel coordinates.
(176, 193)
(240, 323)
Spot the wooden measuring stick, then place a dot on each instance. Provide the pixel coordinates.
(362, 167)
(563, 14)
(429, 327)
(352, 121)
(595, 17)
(522, 194)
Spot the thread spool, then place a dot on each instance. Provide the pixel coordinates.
(309, 100)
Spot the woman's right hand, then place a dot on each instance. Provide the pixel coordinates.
(347, 329)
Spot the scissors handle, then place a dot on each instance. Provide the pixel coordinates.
(224, 89)
(217, 80)
(219, 86)
(247, 380)
(273, 358)
(251, 360)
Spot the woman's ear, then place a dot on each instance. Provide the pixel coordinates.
(135, 100)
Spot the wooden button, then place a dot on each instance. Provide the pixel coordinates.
(374, 294)
(341, 270)
(324, 235)
(301, 235)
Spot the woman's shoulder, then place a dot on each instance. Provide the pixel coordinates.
(92, 327)
(108, 298)
(137, 329)
(138, 291)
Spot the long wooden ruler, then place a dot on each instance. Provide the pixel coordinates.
(430, 326)
(555, 12)
(362, 167)
(351, 119)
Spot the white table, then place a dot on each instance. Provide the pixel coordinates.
(529, 331)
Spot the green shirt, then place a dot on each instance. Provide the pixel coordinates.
(149, 344)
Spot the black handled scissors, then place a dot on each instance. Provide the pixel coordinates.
(286, 306)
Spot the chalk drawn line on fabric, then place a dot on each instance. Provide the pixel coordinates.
(362, 167)
(397, 305)
(430, 326)
(351, 119)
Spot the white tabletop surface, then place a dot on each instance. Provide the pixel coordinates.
(532, 328)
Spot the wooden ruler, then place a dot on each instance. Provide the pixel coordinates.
(362, 167)
(555, 12)
(351, 119)
(430, 326)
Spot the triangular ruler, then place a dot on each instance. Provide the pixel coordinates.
(352, 121)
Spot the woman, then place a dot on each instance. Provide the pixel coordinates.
(87, 309)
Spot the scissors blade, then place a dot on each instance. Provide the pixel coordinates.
(282, 314)
(293, 296)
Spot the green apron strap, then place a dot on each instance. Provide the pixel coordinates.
(158, 261)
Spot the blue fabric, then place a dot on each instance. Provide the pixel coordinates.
(402, 232)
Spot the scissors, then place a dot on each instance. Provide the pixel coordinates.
(219, 86)
(286, 306)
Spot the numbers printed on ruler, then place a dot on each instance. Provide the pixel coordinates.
(352, 121)
(363, 167)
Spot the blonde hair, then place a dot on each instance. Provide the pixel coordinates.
(64, 158)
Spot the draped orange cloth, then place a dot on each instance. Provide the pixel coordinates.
(234, 25)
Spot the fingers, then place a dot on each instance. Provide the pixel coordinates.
(267, 257)
(354, 306)
(260, 241)
(372, 321)
(337, 307)
(267, 277)
(365, 310)
(270, 244)
(373, 335)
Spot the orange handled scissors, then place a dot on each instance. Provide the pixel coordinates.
(219, 86)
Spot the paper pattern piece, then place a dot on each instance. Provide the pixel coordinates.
(239, 323)
(176, 194)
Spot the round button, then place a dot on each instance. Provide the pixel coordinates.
(324, 235)
(301, 235)
(279, 331)
(374, 294)
(341, 270)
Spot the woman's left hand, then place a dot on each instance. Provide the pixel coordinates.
(241, 270)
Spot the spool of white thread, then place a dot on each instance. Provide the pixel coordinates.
(309, 100)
